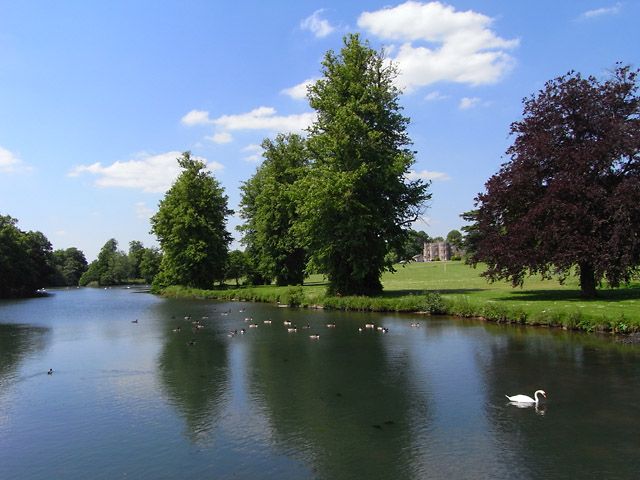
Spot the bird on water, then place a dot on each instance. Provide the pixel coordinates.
(527, 399)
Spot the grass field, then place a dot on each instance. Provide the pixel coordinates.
(457, 289)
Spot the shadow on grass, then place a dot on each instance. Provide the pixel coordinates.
(403, 293)
(608, 295)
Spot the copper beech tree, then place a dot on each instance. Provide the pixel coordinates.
(569, 197)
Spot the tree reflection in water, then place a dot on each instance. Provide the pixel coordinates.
(193, 369)
(582, 376)
(16, 343)
(340, 404)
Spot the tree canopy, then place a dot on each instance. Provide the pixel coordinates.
(25, 259)
(268, 207)
(191, 228)
(570, 194)
(69, 265)
(356, 204)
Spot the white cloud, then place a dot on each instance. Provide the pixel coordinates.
(299, 91)
(10, 163)
(142, 211)
(434, 96)
(265, 118)
(458, 46)
(255, 153)
(196, 117)
(149, 173)
(427, 175)
(222, 137)
(468, 102)
(600, 12)
(317, 25)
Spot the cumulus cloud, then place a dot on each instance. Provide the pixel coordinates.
(299, 91)
(439, 43)
(254, 152)
(142, 211)
(222, 137)
(317, 25)
(427, 175)
(265, 118)
(468, 102)
(196, 117)
(434, 96)
(601, 12)
(10, 163)
(149, 173)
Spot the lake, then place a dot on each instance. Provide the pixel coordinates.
(140, 400)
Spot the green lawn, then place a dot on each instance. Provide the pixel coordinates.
(459, 283)
(457, 289)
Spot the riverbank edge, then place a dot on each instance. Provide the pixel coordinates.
(432, 303)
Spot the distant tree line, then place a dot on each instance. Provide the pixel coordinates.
(28, 262)
(115, 267)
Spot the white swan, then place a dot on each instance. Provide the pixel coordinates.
(526, 398)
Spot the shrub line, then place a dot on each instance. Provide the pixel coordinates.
(432, 303)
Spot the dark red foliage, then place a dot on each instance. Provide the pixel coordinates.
(570, 194)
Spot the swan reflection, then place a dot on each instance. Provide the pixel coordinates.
(540, 409)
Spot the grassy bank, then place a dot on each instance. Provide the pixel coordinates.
(456, 289)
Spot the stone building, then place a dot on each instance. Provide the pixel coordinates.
(437, 251)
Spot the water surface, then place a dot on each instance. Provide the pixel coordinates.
(139, 400)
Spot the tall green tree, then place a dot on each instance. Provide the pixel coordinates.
(268, 207)
(191, 228)
(136, 251)
(69, 265)
(570, 194)
(454, 237)
(236, 266)
(150, 264)
(356, 205)
(26, 259)
(110, 268)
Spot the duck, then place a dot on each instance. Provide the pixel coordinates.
(134, 321)
(314, 337)
(267, 322)
(253, 325)
(286, 323)
(292, 330)
(50, 372)
(527, 399)
(177, 329)
(415, 325)
(369, 325)
(331, 325)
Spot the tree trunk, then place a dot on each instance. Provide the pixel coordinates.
(587, 280)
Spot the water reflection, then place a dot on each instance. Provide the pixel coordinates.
(342, 404)
(138, 400)
(16, 343)
(193, 368)
(583, 379)
(539, 409)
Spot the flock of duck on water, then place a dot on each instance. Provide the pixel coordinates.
(518, 400)
(291, 327)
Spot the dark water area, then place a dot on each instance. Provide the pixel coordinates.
(140, 400)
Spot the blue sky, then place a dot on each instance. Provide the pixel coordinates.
(97, 99)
